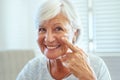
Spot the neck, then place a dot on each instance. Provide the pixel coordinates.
(57, 70)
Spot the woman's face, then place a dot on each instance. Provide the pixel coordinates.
(50, 34)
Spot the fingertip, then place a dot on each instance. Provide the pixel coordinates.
(63, 38)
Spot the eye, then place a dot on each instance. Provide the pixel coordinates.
(42, 30)
(58, 28)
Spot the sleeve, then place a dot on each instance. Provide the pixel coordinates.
(103, 71)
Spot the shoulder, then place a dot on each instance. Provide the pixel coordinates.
(96, 62)
(32, 68)
(39, 60)
(35, 62)
(95, 59)
(99, 67)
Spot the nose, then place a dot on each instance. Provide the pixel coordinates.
(49, 37)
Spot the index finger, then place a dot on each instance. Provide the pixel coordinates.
(70, 45)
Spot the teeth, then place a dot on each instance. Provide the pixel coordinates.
(52, 47)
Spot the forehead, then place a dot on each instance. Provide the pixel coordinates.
(57, 19)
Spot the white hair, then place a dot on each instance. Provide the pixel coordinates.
(53, 7)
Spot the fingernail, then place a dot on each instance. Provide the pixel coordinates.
(64, 64)
(62, 38)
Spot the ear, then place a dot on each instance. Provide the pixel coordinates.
(76, 34)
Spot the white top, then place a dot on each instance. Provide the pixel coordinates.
(36, 69)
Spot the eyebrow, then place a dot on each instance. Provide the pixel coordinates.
(40, 26)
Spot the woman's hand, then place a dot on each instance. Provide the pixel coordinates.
(77, 62)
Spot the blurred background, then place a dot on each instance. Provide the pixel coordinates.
(18, 35)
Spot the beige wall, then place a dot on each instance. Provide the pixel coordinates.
(11, 62)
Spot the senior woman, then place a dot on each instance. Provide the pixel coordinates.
(58, 30)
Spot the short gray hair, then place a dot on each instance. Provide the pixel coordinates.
(51, 8)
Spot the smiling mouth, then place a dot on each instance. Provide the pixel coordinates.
(52, 47)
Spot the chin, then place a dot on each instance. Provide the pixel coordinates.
(53, 56)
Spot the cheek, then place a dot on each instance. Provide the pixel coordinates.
(64, 48)
(68, 36)
(59, 36)
(40, 41)
(71, 35)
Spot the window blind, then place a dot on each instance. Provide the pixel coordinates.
(82, 9)
(106, 26)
